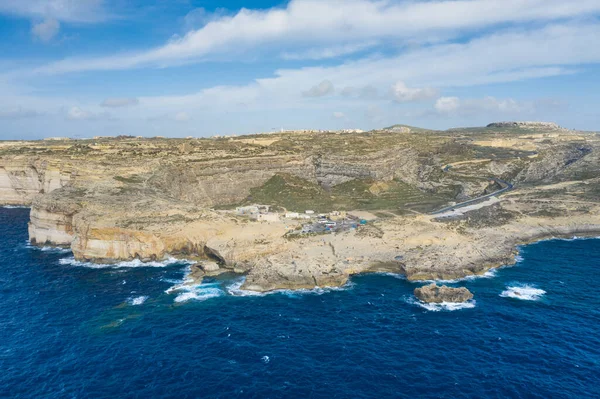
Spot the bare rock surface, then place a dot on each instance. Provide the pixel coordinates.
(435, 294)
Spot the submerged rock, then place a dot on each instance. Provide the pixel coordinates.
(434, 294)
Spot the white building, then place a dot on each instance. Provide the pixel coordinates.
(268, 217)
(247, 210)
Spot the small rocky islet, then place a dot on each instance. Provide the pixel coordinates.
(440, 294)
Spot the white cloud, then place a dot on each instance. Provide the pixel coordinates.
(199, 17)
(322, 89)
(366, 93)
(447, 104)
(402, 93)
(330, 24)
(327, 52)
(76, 113)
(61, 10)
(119, 102)
(489, 105)
(46, 30)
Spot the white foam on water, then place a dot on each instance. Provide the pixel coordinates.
(491, 273)
(54, 249)
(394, 275)
(200, 292)
(235, 289)
(524, 292)
(137, 301)
(14, 207)
(444, 306)
(519, 259)
(185, 285)
(71, 261)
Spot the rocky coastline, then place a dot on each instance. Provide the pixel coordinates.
(108, 210)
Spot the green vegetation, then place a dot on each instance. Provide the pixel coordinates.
(296, 194)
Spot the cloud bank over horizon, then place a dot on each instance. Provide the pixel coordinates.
(152, 68)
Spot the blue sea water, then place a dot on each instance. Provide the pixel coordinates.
(68, 330)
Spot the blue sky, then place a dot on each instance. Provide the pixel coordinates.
(200, 68)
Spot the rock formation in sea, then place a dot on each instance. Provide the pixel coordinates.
(439, 294)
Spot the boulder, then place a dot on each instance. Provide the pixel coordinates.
(209, 267)
(435, 294)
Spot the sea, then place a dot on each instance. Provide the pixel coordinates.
(76, 330)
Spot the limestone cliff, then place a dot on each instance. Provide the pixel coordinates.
(22, 179)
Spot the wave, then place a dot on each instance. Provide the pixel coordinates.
(491, 273)
(524, 292)
(14, 207)
(197, 292)
(71, 261)
(137, 301)
(394, 275)
(200, 292)
(438, 307)
(59, 250)
(235, 289)
(519, 259)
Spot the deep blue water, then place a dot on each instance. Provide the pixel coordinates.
(71, 331)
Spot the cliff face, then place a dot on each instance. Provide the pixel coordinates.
(51, 217)
(22, 180)
(229, 181)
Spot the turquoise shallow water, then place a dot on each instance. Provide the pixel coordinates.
(68, 330)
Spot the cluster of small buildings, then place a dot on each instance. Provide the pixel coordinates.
(261, 213)
(316, 223)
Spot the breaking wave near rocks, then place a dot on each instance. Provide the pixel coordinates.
(444, 306)
(71, 261)
(197, 292)
(524, 292)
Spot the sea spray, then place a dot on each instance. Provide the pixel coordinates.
(524, 292)
(137, 300)
(444, 306)
(71, 261)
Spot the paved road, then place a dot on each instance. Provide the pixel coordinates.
(507, 187)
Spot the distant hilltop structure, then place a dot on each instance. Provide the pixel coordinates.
(527, 125)
(398, 129)
(301, 131)
(56, 138)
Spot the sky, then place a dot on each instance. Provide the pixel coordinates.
(178, 68)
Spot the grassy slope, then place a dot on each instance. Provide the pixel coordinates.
(296, 194)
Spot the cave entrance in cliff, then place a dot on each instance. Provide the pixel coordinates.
(210, 254)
